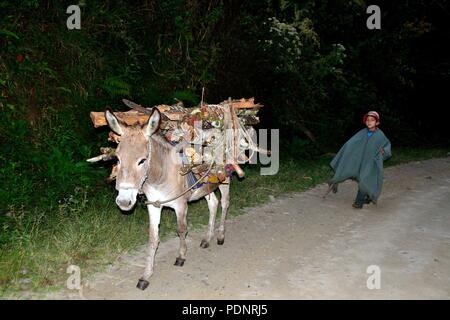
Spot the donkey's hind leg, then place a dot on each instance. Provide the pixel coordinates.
(225, 203)
(181, 212)
(212, 206)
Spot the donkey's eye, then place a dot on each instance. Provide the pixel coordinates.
(141, 161)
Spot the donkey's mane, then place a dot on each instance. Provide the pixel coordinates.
(160, 160)
(161, 141)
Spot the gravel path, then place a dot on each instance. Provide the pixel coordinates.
(301, 246)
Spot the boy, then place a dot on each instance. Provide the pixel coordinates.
(361, 158)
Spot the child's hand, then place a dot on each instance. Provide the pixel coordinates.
(382, 151)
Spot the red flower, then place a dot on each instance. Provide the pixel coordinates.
(19, 58)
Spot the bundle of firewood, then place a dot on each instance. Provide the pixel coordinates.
(217, 135)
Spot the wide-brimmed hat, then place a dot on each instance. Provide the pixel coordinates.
(372, 114)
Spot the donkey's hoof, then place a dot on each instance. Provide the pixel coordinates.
(204, 244)
(179, 262)
(142, 284)
(220, 241)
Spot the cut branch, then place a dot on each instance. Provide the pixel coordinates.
(107, 154)
(139, 114)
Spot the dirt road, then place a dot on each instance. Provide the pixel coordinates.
(301, 246)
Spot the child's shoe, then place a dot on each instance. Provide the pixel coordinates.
(367, 200)
(357, 205)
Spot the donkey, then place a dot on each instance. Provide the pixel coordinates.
(148, 164)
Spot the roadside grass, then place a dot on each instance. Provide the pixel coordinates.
(88, 230)
(404, 155)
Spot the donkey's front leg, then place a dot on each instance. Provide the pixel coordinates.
(181, 212)
(154, 217)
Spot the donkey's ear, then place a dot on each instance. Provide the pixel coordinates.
(153, 123)
(113, 123)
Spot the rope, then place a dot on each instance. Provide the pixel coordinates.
(158, 203)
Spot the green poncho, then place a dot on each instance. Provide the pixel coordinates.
(360, 159)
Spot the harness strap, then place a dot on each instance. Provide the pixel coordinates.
(158, 203)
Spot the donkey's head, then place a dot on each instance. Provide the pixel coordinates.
(132, 154)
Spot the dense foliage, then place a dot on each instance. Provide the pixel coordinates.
(313, 64)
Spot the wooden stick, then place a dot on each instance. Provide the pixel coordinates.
(140, 117)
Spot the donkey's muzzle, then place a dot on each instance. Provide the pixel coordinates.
(123, 202)
(126, 199)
